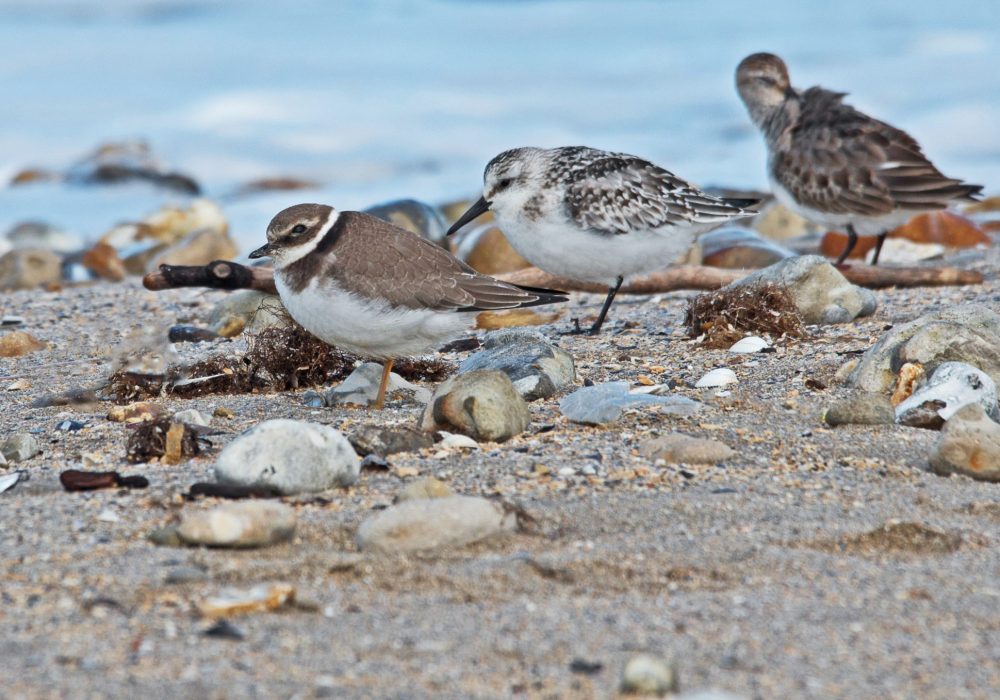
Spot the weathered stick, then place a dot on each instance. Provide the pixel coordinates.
(702, 277)
(222, 274)
(218, 274)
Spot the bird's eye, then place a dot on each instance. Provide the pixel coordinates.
(504, 182)
(299, 228)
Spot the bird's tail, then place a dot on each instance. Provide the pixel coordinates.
(543, 296)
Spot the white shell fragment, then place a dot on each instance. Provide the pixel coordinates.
(954, 385)
(717, 377)
(751, 343)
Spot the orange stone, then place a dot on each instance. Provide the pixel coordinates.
(833, 244)
(104, 262)
(944, 227)
(493, 255)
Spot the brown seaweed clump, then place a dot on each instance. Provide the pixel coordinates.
(277, 359)
(162, 438)
(726, 315)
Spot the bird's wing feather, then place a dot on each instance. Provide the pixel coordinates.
(619, 194)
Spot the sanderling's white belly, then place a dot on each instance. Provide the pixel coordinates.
(370, 328)
(863, 225)
(567, 251)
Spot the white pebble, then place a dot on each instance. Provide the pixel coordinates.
(717, 377)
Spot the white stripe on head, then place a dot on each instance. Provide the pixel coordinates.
(291, 253)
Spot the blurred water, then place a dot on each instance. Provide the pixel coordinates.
(408, 98)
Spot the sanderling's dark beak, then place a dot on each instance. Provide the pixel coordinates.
(475, 211)
(262, 252)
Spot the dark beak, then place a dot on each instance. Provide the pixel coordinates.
(262, 252)
(475, 211)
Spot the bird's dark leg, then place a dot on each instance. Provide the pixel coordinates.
(596, 328)
(852, 240)
(878, 246)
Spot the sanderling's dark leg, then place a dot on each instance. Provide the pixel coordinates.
(596, 328)
(852, 240)
(878, 246)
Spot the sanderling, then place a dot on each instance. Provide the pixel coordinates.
(596, 216)
(371, 288)
(837, 166)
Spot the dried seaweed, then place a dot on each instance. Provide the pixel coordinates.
(726, 315)
(277, 359)
(149, 440)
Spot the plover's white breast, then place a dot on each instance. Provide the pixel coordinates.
(369, 327)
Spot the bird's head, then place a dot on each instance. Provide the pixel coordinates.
(294, 232)
(509, 181)
(762, 81)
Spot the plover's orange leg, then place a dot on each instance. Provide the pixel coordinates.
(386, 370)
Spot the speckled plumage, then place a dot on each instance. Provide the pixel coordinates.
(596, 215)
(834, 164)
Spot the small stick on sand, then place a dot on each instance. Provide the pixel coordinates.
(222, 274)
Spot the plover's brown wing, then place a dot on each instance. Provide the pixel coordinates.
(377, 260)
(839, 160)
(617, 194)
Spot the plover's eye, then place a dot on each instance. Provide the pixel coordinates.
(299, 228)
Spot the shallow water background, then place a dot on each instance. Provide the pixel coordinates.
(382, 100)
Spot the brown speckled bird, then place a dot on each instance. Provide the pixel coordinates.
(837, 166)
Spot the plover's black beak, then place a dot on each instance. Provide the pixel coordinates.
(262, 252)
(475, 211)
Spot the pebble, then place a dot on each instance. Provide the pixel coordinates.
(428, 487)
(239, 525)
(537, 368)
(70, 426)
(678, 448)
(821, 293)
(84, 399)
(186, 574)
(247, 309)
(29, 268)
(645, 674)
(192, 416)
(138, 412)
(604, 403)
(861, 409)
(482, 404)
(237, 601)
(434, 524)
(20, 447)
(224, 629)
(38, 235)
(414, 216)
(108, 516)
(969, 445)
(18, 343)
(360, 388)
(199, 247)
(723, 376)
(967, 333)
(191, 334)
(375, 439)
(456, 441)
(751, 343)
(289, 456)
(737, 248)
(951, 386)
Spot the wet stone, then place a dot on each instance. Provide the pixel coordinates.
(861, 409)
(537, 368)
(191, 334)
(434, 524)
(969, 445)
(20, 447)
(414, 216)
(821, 293)
(245, 524)
(27, 269)
(967, 333)
(678, 448)
(483, 404)
(18, 343)
(289, 456)
(604, 403)
(374, 439)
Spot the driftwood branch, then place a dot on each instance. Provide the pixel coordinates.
(222, 274)
(702, 277)
(218, 274)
